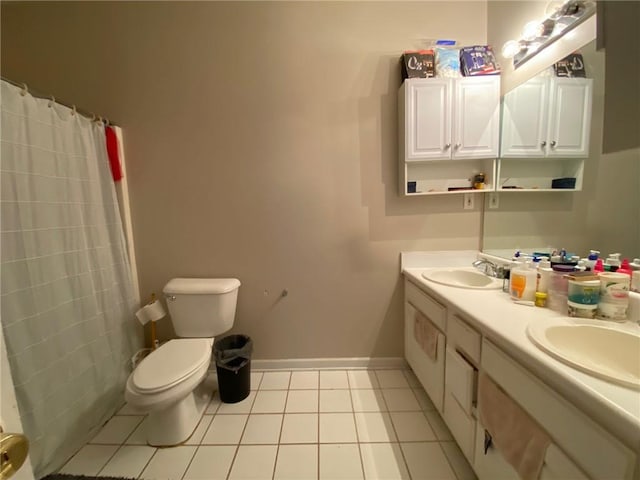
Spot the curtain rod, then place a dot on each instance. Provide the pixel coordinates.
(90, 115)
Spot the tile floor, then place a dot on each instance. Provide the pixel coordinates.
(298, 425)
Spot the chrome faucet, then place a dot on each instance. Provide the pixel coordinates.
(489, 268)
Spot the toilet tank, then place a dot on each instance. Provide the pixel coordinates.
(201, 307)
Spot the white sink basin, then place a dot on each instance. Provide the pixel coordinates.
(462, 278)
(610, 354)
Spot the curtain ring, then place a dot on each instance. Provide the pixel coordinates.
(73, 110)
(93, 117)
(24, 90)
(52, 100)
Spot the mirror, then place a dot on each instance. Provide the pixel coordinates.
(602, 214)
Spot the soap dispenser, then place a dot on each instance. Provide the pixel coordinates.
(612, 262)
(591, 259)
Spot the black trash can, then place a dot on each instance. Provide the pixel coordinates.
(233, 364)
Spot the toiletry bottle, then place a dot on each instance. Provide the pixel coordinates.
(522, 285)
(635, 265)
(598, 267)
(591, 259)
(625, 267)
(544, 271)
(613, 261)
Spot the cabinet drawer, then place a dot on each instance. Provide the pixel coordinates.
(462, 426)
(460, 380)
(465, 338)
(432, 309)
(596, 451)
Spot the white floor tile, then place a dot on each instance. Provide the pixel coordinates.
(211, 463)
(383, 461)
(128, 410)
(438, 426)
(427, 461)
(89, 460)
(117, 429)
(374, 427)
(330, 379)
(337, 428)
(139, 435)
(225, 430)
(256, 378)
(270, 401)
(302, 401)
(362, 379)
(297, 462)
(262, 429)
(335, 401)
(412, 427)
(254, 462)
(391, 379)
(340, 462)
(201, 429)
(243, 406)
(401, 400)
(129, 461)
(457, 461)
(367, 400)
(304, 381)
(214, 404)
(275, 381)
(300, 428)
(169, 463)
(412, 379)
(423, 399)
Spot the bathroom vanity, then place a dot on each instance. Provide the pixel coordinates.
(594, 425)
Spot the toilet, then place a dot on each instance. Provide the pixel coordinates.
(168, 384)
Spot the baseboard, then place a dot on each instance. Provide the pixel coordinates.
(329, 363)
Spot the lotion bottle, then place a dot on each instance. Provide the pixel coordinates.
(522, 285)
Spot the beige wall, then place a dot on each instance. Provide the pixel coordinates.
(261, 140)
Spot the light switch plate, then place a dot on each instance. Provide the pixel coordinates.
(468, 201)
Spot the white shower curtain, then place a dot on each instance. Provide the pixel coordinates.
(67, 297)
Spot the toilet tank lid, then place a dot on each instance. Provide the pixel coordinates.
(198, 286)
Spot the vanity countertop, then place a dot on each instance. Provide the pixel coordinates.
(615, 407)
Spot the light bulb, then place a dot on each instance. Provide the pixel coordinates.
(510, 49)
(532, 30)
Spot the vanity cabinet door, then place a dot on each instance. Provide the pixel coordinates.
(476, 118)
(524, 120)
(570, 117)
(428, 117)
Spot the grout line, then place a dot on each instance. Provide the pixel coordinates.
(147, 464)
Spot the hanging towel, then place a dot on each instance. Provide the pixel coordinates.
(426, 334)
(112, 151)
(520, 440)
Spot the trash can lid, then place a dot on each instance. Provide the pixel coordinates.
(199, 286)
(171, 363)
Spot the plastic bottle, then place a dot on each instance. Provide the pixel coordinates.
(544, 272)
(613, 262)
(635, 265)
(598, 267)
(591, 259)
(522, 285)
(625, 267)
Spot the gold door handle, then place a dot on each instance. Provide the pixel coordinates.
(14, 448)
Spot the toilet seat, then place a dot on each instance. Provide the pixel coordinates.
(171, 364)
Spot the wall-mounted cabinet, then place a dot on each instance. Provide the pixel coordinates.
(448, 129)
(546, 125)
(547, 117)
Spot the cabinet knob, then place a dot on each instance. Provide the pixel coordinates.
(458, 145)
(543, 144)
(446, 147)
(553, 143)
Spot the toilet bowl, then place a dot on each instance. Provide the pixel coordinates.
(168, 384)
(164, 386)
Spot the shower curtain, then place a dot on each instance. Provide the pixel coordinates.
(67, 298)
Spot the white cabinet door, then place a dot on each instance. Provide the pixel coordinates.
(569, 117)
(428, 107)
(524, 120)
(476, 122)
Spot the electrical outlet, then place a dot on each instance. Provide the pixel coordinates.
(468, 201)
(493, 200)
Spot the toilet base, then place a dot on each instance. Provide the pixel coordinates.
(174, 425)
